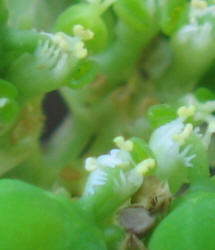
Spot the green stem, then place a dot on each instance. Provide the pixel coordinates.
(69, 141)
(34, 169)
(119, 60)
(191, 59)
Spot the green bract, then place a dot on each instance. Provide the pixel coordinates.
(189, 226)
(83, 73)
(36, 219)
(87, 15)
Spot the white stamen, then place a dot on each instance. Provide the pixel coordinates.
(96, 178)
(108, 161)
(72, 45)
(61, 65)
(186, 150)
(188, 160)
(116, 158)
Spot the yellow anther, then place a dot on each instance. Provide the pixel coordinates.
(72, 45)
(81, 54)
(200, 4)
(80, 31)
(180, 138)
(145, 166)
(60, 39)
(185, 112)
(123, 144)
(79, 50)
(91, 164)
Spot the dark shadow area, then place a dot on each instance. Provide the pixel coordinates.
(54, 110)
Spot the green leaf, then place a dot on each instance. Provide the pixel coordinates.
(141, 150)
(32, 217)
(204, 95)
(189, 226)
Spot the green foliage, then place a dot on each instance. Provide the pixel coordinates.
(204, 95)
(3, 13)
